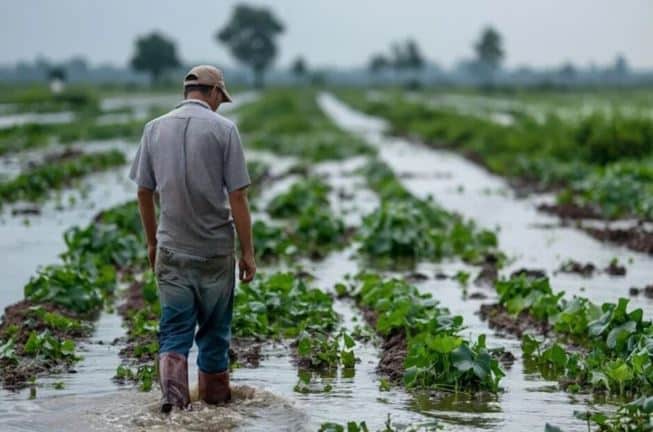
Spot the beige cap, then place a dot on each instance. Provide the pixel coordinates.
(208, 76)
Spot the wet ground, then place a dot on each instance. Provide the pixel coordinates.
(91, 401)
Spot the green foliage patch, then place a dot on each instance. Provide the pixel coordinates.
(438, 356)
(37, 183)
(290, 123)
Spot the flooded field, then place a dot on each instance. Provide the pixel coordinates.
(356, 170)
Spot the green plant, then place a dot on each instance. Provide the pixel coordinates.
(56, 321)
(271, 242)
(38, 182)
(8, 351)
(320, 351)
(602, 160)
(406, 227)
(291, 124)
(46, 345)
(301, 194)
(281, 305)
(437, 356)
(65, 285)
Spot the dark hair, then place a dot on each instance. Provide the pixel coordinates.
(204, 89)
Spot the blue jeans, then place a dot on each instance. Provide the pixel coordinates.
(196, 291)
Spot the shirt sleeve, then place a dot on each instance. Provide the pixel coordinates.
(141, 170)
(235, 171)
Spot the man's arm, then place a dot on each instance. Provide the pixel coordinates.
(243, 221)
(148, 218)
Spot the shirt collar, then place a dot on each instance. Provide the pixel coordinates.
(193, 101)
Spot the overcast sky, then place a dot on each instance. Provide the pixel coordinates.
(337, 32)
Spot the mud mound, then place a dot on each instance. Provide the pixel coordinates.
(570, 211)
(571, 266)
(635, 238)
(498, 318)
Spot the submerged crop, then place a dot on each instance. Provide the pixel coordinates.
(436, 356)
(291, 124)
(614, 346)
(597, 159)
(405, 226)
(38, 182)
(281, 305)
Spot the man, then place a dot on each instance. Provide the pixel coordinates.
(193, 158)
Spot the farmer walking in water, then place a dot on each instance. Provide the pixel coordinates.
(193, 158)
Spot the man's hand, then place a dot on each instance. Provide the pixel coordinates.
(151, 254)
(243, 221)
(247, 268)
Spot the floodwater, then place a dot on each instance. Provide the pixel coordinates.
(531, 239)
(265, 399)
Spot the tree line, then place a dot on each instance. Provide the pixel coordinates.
(251, 35)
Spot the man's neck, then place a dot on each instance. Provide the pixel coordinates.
(198, 100)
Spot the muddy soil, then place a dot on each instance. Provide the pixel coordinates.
(572, 266)
(647, 291)
(18, 322)
(529, 273)
(570, 211)
(635, 238)
(615, 269)
(393, 349)
(499, 319)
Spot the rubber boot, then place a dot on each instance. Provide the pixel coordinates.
(214, 388)
(173, 378)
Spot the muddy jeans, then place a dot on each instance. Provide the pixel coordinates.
(196, 291)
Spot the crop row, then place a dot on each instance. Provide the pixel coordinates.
(62, 300)
(436, 356)
(600, 161)
(410, 228)
(291, 124)
(614, 345)
(307, 225)
(36, 183)
(600, 349)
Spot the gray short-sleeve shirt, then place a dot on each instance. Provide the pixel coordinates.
(193, 157)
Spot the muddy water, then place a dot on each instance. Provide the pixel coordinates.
(30, 241)
(273, 405)
(90, 401)
(530, 238)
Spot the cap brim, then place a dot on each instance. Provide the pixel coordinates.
(226, 94)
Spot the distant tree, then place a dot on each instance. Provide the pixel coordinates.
(250, 35)
(407, 56)
(621, 67)
(57, 73)
(57, 79)
(154, 54)
(299, 67)
(378, 63)
(318, 78)
(489, 52)
(567, 73)
(77, 68)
